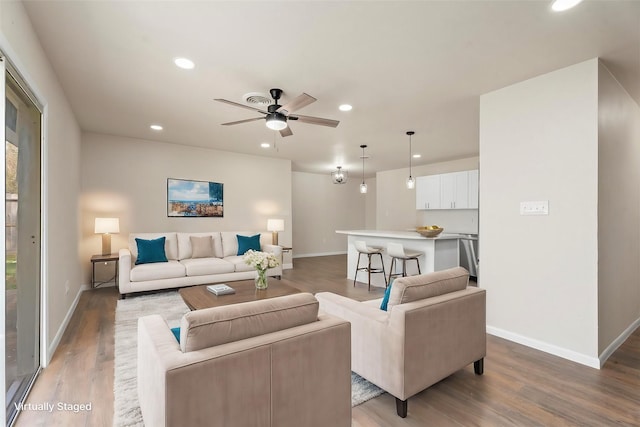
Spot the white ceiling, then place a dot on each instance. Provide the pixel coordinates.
(417, 65)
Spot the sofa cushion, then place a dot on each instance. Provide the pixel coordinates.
(219, 325)
(185, 248)
(150, 251)
(204, 266)
(385, 299)
(170, 244)
(201, 247)
(157, 271)
(414, 288)
(238, 263)
(247, 243)
(230, 241)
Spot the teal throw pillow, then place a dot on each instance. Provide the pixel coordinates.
(176, 333)
(248, 242)
(385, 300)
(150, 251)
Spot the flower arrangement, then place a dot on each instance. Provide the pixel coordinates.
(261, 261)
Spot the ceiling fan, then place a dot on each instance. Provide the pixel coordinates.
(277, 115)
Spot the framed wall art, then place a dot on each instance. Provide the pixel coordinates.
(188, 198)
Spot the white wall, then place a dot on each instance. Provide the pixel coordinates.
(371, 201)
(320, 208)
(396, 206)
(539, 141)
(127, 178)
(61, 177)
(619, 213)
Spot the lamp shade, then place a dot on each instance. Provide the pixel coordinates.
(275, 224)
(107, 225)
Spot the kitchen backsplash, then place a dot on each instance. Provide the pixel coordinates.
(453, 221)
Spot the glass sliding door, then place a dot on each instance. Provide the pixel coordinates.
(22, 241)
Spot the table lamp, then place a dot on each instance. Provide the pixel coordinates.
(106, 227)
(275, 225)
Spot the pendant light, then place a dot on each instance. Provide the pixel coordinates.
(363, 186)
(411, 183)
(339, 176)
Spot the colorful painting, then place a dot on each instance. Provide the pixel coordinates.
(186, 198)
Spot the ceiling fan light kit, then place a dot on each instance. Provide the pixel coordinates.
(277, 116)
(276, 121)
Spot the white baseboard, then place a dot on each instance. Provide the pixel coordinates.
(583, 359)
(618, 342)
(287, 266)
(319, 254)
(63, 327)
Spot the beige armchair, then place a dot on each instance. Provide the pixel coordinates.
(272, 362)
(434, 326)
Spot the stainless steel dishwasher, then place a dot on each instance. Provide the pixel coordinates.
(469, 254)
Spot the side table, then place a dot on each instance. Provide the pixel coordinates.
(103, 258)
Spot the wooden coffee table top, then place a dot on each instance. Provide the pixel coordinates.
(198, 297)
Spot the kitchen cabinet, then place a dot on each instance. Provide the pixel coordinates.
(456, 190)
(428, 192)
(473, 189)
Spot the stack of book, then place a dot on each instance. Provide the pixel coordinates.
(221, 289)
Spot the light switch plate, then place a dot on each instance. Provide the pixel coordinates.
(540, 207)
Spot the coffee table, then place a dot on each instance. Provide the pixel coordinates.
(198, 297)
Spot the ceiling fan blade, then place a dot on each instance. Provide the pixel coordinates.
(317, 121)
(242, 121)
(297, 103)
(240, 105)
(286, 132)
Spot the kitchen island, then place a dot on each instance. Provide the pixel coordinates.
(439, 253)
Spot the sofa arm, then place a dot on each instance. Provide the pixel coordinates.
(124, 270)
(274, 249)
(156, 344)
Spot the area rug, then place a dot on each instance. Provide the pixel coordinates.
(170, 306)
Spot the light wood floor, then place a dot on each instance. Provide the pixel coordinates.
(520, 386)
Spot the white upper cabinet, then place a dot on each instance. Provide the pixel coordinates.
(473, 189)
(428, 192)
(454, 190)
(457, 190)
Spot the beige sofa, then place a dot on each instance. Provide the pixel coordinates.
(435, 325)
(272, 362)
(184, 270)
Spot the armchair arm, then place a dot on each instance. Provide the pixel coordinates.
(377, 349)
(124, 273)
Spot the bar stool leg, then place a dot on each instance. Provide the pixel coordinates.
(404, 268)
(418, 262)
(383, 272)
(369, 272)
(391, 270)
(355, 275)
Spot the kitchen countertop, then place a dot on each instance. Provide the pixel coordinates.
(399, 234)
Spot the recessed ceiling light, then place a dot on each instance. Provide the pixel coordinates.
(184, 63)
(417, 156)
(156, 127)
(345, 107)
(265, 145)
(560, 5)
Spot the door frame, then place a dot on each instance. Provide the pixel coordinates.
(8, 61)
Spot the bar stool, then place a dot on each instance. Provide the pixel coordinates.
(396, 251)
(362, 248)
